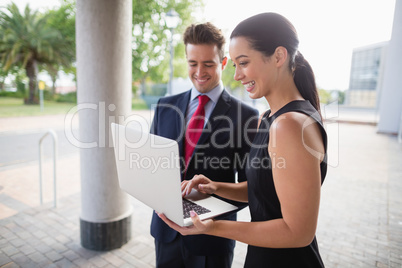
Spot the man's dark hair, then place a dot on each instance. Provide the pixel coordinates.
(205, 33)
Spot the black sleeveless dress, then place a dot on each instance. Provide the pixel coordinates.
(263, 200)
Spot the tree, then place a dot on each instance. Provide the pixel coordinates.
(3, 76)
(63, 20)
(228, 77)
(151, 36)
(325, 96)
(26, 40)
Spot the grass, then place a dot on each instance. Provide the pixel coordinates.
(14, 107)
(11, 107)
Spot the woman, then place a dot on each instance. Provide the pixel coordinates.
(287, 162)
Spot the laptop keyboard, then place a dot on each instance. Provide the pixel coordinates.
(188, 206)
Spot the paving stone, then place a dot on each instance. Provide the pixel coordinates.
(52, 265)
(9, 235)
(130, 259)
(17, 242)
(3, 242)
(12, 203)
(54, 256)
(40, 234)
(82, 263)
(22, 260)
(98, 261)
(393, 264)
(85, 253)
(71, 255)
(150, 258)
(113, 259)
(62, 239)
(43, 248)
(27, 249)
(24, 235)
(11, 265)
(60, 248)
(4, 259)
(46, 263)
(33, 241)
(10, 250)
(141, 250)
(37, 257)
(49, 240)
(126, 265)
(64, 263)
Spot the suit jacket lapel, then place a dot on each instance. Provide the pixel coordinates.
(182, 105)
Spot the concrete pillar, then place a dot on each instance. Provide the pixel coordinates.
(391, 95)
(103, 30)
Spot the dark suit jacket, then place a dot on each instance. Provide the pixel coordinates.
(221, 151)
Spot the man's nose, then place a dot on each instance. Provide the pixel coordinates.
(200, 70)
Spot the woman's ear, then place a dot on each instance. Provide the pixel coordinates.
(281, 55)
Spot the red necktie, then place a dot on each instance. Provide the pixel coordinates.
(194, 128)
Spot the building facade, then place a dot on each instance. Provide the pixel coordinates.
(366, 76)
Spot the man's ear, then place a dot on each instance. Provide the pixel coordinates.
(224, 62)
(281, 54)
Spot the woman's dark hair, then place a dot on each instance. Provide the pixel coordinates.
(267, 31)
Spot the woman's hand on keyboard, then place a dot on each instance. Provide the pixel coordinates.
(200, 183)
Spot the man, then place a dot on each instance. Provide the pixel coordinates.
(214, 131)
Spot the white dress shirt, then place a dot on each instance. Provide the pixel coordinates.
(213, 95)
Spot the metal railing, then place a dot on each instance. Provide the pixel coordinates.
(54, 136)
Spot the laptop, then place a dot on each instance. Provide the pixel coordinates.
(148, 168)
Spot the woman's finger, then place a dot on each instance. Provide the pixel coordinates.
(190, 186)
(193, 183)
(183, 187)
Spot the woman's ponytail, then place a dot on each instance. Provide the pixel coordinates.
(304, 79)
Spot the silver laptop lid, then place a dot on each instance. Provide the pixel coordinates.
(148, 168)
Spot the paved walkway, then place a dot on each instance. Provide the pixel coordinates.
(360, 222)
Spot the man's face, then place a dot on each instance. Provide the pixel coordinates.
(204, 66)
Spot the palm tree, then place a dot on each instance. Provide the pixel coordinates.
(63, 20)
(26, 40)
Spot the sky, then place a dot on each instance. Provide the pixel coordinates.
(328, 30)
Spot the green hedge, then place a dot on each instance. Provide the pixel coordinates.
(12, 94)
(69, 97)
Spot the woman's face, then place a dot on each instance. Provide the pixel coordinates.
(255, 71)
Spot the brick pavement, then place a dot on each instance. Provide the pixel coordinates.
(360, 221)
(43, 236)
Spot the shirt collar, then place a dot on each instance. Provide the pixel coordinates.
(213, 94)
